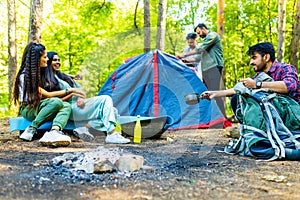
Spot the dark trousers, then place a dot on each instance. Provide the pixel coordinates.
(212, 78)
(233, 103)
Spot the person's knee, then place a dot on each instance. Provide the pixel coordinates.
(57, 102)
(105, 98)
(67, 107)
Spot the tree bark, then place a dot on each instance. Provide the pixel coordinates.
(294, 56)
(147, 33)
(12, 47)
(161, 25)
(281, 29)
(221, 18)
(35, 23)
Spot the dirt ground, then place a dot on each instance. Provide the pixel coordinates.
(186, 164)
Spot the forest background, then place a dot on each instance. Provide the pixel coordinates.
(93, 37)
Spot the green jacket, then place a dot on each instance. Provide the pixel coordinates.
(211, 51)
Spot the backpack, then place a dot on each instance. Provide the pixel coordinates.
(270, 124)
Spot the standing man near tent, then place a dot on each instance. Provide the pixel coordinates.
(193, 61)
(211, 60)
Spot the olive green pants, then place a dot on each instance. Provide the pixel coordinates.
(49, 109)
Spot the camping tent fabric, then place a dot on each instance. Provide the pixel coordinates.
(154, 84)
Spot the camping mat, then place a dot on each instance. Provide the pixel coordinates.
(20, 123)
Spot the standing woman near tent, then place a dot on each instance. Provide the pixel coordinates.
(35, 105)
(99, 110)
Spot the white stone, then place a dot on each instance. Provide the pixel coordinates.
(129, 162)
(103, 166)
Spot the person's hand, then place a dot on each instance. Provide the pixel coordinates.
(80, 102)
(78, 77)
(187, 60)
(248, 82)
(209, 95)
(180, 56)
(206, 95)
(184, 60)
(79, 92)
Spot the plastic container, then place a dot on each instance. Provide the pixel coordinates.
(118, 125)
(137, 135)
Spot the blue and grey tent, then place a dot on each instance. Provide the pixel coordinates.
(154, 84)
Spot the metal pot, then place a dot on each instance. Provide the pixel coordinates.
(192, 98)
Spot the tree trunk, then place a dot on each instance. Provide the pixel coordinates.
(147, 34)
(35, 24)
(135, 17)
(221, 18)
(161, 25)
(295, 37)
(12, 47)
(281, 29)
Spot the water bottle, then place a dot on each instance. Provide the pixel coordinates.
(137, 136)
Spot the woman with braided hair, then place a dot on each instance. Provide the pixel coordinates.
(35, 104)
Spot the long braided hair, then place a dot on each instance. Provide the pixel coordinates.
(30, 67)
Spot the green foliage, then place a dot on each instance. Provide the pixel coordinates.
(94, 37)
(247, 23)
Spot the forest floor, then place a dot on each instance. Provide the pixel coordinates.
(186, 164)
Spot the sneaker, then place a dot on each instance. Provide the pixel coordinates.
(28, 134)
(55, 138)
(83, 133)
(116, 138)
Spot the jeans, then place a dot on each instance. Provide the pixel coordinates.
(48, 109)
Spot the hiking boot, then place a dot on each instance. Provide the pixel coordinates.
(28, 134)
(116, 138)
(83, 133)
(55, 138)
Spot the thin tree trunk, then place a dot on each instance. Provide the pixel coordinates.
(35, 24)
(221, 18)
(193, 10)
(12, 47)
(295, 38)
(161, 25)
(135, 15)
(147, 33)
(281, 29)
